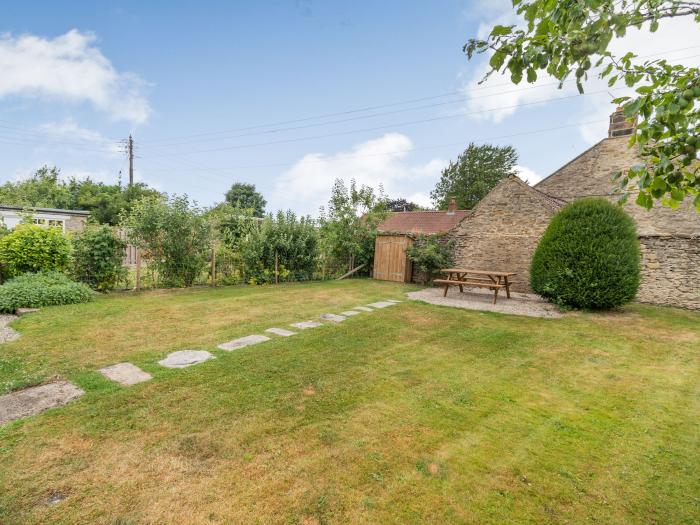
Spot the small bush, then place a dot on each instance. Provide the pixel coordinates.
(588, 257)
(35, 290)
(430, 253)
(97, 257)
(32, 248)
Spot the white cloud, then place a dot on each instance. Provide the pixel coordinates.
(306, 185)
(673, 34)
(70, 68)
(69, 133)
(528, 175)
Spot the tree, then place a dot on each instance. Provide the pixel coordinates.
(244, 196)
(588, 257)
(401, 204)
(174, 236)
(571, 39)
(45, 188)
(349, 226)
(475, 173)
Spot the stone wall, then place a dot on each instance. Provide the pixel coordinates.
(670, 271)
(75, 223)
(503, 231)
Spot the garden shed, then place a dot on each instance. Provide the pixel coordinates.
(398, 232)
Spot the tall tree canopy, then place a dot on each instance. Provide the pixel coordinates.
(46, 189)
(244, 196)
(571, 38)
(475, 172)
(401, 204)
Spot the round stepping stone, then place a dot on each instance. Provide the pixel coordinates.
(333, 317)
(185, 358)
(243, 341)
(349, 313)
(306, 324)
(125, 374)
(31, 401)
(281, 331)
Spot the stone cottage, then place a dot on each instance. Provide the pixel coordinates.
(503, 230)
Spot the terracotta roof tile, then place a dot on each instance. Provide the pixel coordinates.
(422, 222)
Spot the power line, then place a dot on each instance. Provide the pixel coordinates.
(394, 125)
(408, 150)
(392, 104)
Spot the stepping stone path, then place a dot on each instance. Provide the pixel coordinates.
(125, 374)
(333, 317)
(349, 313)
(34, 400)
(363, 309)
(243, 341)
(185, 358)
(7, 334)
(281, 331)
(306, 324)
(24, 311)
(382, 304)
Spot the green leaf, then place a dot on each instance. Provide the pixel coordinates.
(497, 60)
(531, 75)
(644, 199)
(501, 30)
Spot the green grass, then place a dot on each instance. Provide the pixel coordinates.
(412, 414)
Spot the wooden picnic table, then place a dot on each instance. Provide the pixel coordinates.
(491, 279)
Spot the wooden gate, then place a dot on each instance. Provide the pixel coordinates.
(390, 260)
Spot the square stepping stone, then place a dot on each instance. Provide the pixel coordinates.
(349, 313)
(363, 309)
(281, 331)
(333, 317)
(243, 341)
(306, 324)
(125, 374)
(185, 358)
(381, 304)
(31, 401)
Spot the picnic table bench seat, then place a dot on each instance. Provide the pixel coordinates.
(476, 278)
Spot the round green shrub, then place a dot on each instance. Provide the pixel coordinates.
(97, 257)
(31, 248)
(588, 257)
(35, 290)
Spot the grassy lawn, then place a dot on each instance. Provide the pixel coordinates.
(411, 414)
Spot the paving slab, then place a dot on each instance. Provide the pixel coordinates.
(24, 311)
(306, 324)
(243, 341)
(7, 334)
(36, 399)
(393, 301)
(185, 358)
(125, 374)
(281, 331)
(333, 317)
(349, 313)
(381, 304)
(363, 309)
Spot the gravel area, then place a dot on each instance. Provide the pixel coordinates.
(7, 334)
(478, 299)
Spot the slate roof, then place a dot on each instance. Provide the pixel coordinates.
(422, 222)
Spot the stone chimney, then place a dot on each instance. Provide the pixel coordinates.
(452, 206)
(619, 125)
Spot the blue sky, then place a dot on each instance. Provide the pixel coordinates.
(275, 93)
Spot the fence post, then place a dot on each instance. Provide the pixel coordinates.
(213, 266)
(277, 272)
(137, 286)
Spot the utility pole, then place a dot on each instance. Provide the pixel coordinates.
(130, 147)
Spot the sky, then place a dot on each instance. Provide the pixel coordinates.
(285, 94)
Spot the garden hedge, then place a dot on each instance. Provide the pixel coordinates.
(588, 257)
(35, 290)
